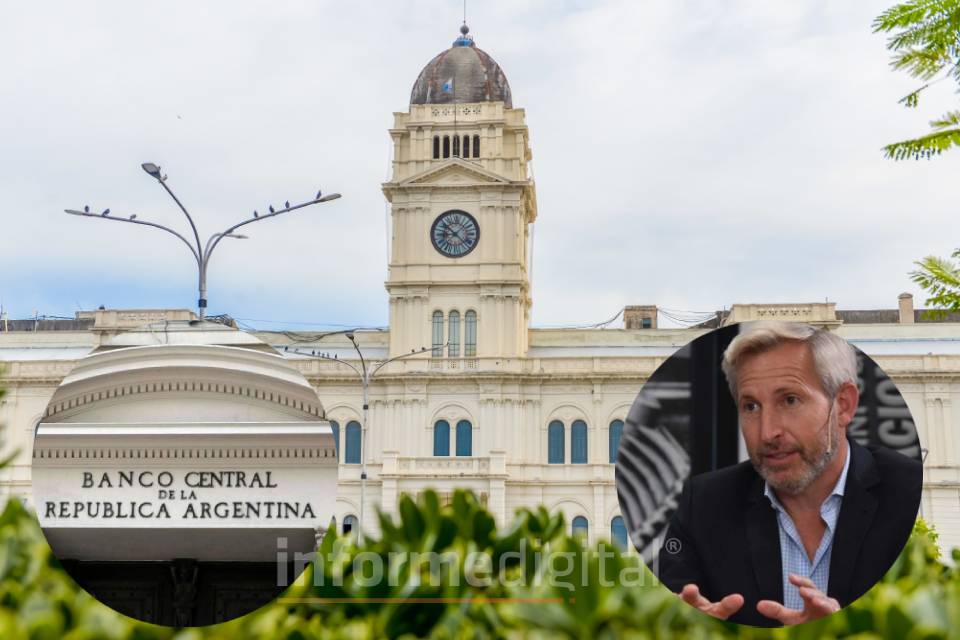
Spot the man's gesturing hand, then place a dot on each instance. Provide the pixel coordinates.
(723, 609)
(816, 604)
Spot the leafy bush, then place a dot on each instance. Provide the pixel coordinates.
(491, 583)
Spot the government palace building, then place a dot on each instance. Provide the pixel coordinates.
(479, 400)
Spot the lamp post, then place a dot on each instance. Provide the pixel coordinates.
(201, 252)
(366, 371)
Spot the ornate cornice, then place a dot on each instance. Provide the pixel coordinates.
(85, 454)
(181, 386)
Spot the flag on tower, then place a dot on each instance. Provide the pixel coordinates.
(448, 86)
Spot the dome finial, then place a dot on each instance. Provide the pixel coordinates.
(465, 40)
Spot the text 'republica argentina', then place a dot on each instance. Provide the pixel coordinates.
(180, 495)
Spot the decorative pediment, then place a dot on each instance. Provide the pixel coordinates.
(455, 173)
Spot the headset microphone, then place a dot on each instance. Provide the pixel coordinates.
(826, 425)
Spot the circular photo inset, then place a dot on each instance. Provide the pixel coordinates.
(182, 473)
(769, 473)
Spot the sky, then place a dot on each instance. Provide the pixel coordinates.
(688, 154)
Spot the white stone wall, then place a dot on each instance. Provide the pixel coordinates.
(509, 463)
(510, 404)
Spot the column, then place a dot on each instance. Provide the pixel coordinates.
(598, 527)
(498, 470)
(389, 489)
(935, 443)
(946, 419)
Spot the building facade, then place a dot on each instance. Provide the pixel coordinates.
(522, 416)
(179, 469)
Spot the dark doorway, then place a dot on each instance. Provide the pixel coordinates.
(181, 593)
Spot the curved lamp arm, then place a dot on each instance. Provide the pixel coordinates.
(154, 171)
(384, 363)
(196, 234)
(146, 223)
(229, 231)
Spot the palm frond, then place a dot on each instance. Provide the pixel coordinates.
(935, 35)
(912, 99)
(925, 147)
(941, 279)
(907, 13)
(950, 119)
(921, 63)
(916, 19)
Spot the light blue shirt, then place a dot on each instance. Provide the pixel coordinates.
(793, 556)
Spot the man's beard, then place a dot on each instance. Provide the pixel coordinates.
(814, 461)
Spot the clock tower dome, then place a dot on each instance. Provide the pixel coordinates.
(462, 202)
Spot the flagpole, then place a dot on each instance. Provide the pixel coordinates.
(455, 109)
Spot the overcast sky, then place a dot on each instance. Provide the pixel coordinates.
(689, 154)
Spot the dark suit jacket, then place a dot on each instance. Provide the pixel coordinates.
(724, 536)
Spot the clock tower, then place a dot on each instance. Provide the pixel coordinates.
(462, 202)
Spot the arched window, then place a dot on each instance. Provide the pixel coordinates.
(466, 146)
(476, 146)
(555, 437)
(441, 438)
(436, 147)
(335, 427)
(618, 533)
(350, 525)
(470, 334)
(453, 340)
(456, 146)
(580, 527)
(578, 442)
(353, 443)
(616, 431)
(446, 146)
(464, 438)
(437, 334)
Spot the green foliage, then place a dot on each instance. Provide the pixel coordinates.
(39, 600)
(925, 42)
(941, 278)
(492, 583)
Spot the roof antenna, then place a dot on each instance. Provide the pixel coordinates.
(465, 40)
(464, 29)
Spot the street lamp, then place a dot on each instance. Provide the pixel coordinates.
(366, 371)
(201, 252)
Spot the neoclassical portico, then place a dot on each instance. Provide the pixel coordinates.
(183, 445)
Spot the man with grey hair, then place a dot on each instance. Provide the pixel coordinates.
(813, 519)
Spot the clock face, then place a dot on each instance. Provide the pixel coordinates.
(455, 233)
